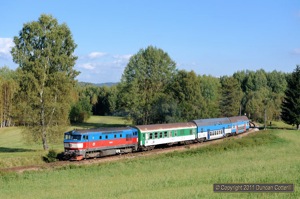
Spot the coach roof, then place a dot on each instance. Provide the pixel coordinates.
(164, 127)
(212, 121)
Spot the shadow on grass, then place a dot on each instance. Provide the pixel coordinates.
(14, 150)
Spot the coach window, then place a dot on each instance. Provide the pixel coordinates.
(106, 137)
(100, 137)
(165, 134)
(155, 135)
(120, 135)
(150, 136)
(115, 136)
(160, 135)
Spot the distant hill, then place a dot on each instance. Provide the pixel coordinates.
(108, 84)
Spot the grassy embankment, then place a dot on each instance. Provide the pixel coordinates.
(14, 151)
(270, 156)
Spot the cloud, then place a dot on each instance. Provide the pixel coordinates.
(94, 55)
(296, 51)
(5, 47)
(88, 66)
(97, 67)
(121, 59)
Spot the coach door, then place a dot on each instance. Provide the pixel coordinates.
(208, 134)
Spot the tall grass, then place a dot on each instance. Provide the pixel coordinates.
(265, 157)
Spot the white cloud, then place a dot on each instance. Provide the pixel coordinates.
(94, 55)
(97, 67)
(296, 51)
(5, 47)
(88, 66)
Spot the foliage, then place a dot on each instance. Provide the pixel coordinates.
(81, 110)
(185, 88)
(144, 81)
(8, 88)
(44, 51)
(211, 95)
(231, 97)
(51, 156)
(291, 103)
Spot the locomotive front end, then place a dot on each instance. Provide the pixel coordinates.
(74, 146)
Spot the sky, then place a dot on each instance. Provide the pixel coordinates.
(210, 37)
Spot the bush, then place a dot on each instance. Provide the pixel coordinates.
(52, 156)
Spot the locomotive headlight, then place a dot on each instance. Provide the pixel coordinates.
(76, 145)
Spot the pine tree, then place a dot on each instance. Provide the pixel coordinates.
(291, 104)
(231, 97)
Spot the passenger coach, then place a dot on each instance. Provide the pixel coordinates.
(156, 134)
(215, 128)
(240, 124)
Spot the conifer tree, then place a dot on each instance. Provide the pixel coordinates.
(291, 104)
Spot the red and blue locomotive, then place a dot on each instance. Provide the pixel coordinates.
(99, 142)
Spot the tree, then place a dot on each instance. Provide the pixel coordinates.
(186, 89)
(211, 93)
(290, 113)
(144, 81)
(44, 51)
(231, 97)
(8, 87)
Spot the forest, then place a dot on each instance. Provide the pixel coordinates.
(43, 95)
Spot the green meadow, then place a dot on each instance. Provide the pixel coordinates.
(14, 151)
(270, 156)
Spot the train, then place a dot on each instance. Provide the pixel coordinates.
(98, 142)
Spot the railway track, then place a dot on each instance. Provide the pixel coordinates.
(155, 151)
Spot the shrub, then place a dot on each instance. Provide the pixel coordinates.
(51, 156)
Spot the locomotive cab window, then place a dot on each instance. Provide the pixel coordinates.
(85, 137)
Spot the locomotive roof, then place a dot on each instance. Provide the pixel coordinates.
(238, 118)
(212, 121)
(102, 130)
(162, 127)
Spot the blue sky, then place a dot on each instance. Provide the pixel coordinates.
(212, 37)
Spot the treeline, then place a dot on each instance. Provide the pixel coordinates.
(191, 96)
(187, 97)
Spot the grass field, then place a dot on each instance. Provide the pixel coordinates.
(14, 151)
(270, 156)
